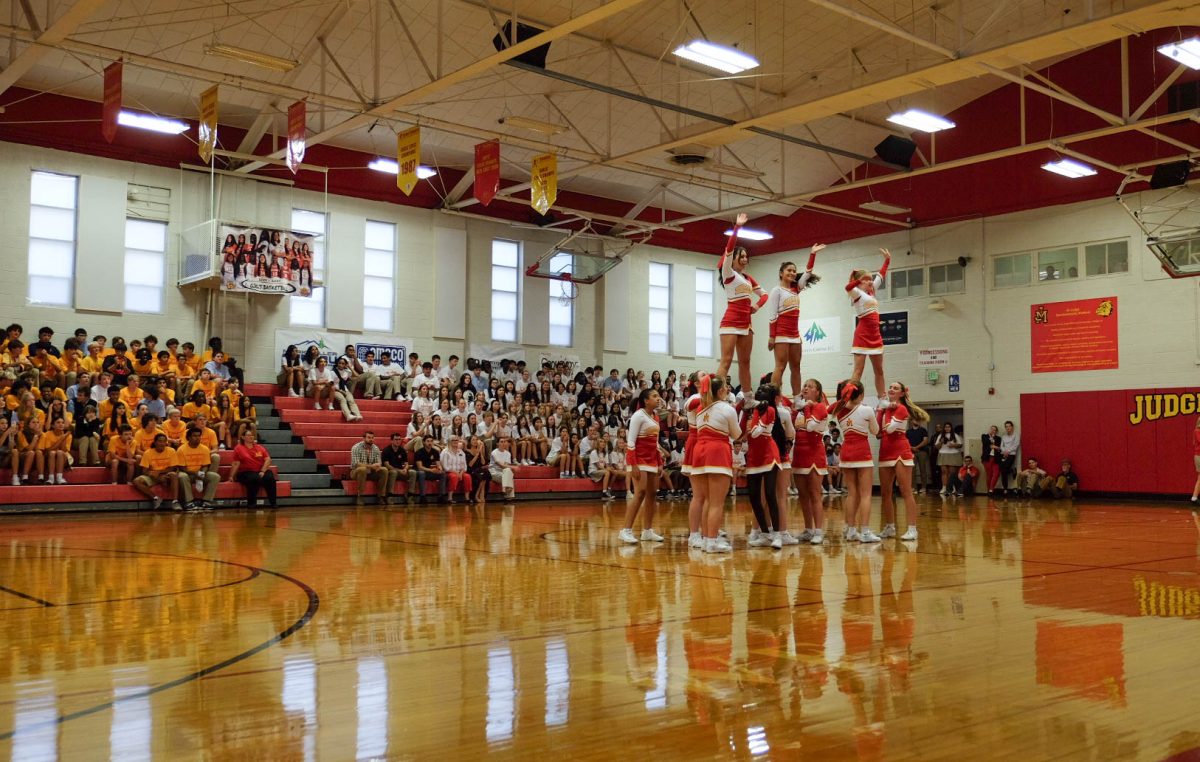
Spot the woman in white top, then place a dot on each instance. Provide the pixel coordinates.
(644, 457)
(418, 427)
(423, 403)
(454, 464)
(950, 456)
(539, 441)
(321, 383)
(1010, 443)
(601, 470)
(712, 461)
(559, 454)
(500, 467)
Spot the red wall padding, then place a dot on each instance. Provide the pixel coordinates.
(1108, 451)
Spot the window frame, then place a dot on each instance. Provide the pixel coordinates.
(516, 269)
(292, 321)
(162, 286)
(1107, 261)
(390, 279)
(891, 283)
(946, 267)
(31, 237)
(710, 313)
(651, 311)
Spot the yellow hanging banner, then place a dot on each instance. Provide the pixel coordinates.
(545, 182)
(208, 123)
(408, 156)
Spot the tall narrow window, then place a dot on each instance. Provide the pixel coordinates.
(562, 305)
(53, 200)
(660, 308)
(705, 292)
(310, 310)
(379, 270)
(506, 280)
(145, 265)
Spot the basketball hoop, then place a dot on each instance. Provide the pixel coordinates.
(564, 283)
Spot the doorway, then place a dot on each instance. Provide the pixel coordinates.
(941, 413)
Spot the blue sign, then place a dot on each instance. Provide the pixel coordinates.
(954, 382)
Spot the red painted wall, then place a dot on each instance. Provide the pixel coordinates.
(1108, 449)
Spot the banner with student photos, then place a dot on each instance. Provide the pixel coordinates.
(264, 260)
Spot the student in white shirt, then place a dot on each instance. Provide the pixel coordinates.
(500, 467)
(454, 464)
(390, 376)
(600, 469)
(322, 382)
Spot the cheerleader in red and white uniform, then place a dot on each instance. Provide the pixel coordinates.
(896, 459)
(762, 467)
(868, 341)
(743, 298)
(858, 425)
(783, 310)
(691, 406)
(645, 463)
(712, 457)
(808, 461)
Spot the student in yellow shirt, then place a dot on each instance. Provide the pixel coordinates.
(49, 368)
(55, 451)
(174, 427)
(244, 416)
(29, 410)
(133, 394)
(222, 421)
(188, 365)
(233, 392)
(148, 429)
(105, 406)
(159, 464)
(206, 384)
(94, 362)
(27, 446)
(164, 365)
(198, 406)
(58, 409)
(166, 390)
(208, 437)
(9, 454)
(144, 362)
(47, 393)
(197, 471)
(72, 361)
(119, 454)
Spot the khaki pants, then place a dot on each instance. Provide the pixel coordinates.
(211, 480)
(390, 387)
(89, 451)
(394, 477)
(380, 476)
(503, 477)
(370, 384)
(346, 401)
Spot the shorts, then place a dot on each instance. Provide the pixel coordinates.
(596, 476)
(553, 458)
(950, 459)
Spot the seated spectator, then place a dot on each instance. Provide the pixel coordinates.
(1029, 480)
(371, 387)
(117, 365)
(343, 392)
(366, 462)
(206, 384)
(1063, 484)
(55, 452)
(321, 383)
(188, 368)
(252, 467)
(119, 454)
(8, 448)
(174, 427)
(28, 438)
(500, 467)
(244, 415)
(88, 430)
(739, 464)
(159, 464)
(291, 375)
(429, 468)
(83, 382)
(391, 375)
(197, 475)
(395, 459)
(601, 471)
(45, 343)
(967, 474)
(477, 466)
(454, 465)
(93, 362)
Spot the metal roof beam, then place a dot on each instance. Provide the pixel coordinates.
(67, 23)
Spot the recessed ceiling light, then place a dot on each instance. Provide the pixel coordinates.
(750, 234)
(266, 61)
(1069, 168)
(1186, 52)
(884, 208)
(716, 57)
(392, 168)
(152, 123)
(922, 121)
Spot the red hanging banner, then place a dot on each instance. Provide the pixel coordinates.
(112, 101)
(297, 130)
(487, 171)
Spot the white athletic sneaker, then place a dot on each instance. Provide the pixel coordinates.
(868, 536)
(317, 406)
(851, 535)
(777, 540)
(910, 533)
(757, 539)
(793, 492)
(818, 537)
(888, 532)
(649, 535)
(695, 540)
(805, 536)
(789, 539)
(16, 482)
(717, 545)
(292, 393)
(722, 534)
(627, 536)
(945, 492)
(155, 502)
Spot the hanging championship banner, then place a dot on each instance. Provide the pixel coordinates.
(408, 156)
(112, 101)
(545, 182)
(487, 171)
(297, 131)
(208, 123)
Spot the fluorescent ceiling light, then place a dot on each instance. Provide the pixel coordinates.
(392, 168)
(274, 63)
(536, 125)
(1069, 168)
(1186, 52)
(152, 123)
(750, 234)
(884, 208)
(922, 121)
(716, 56)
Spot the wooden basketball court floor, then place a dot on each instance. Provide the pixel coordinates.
(1012, 630)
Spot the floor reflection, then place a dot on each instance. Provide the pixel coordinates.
(1032, 629)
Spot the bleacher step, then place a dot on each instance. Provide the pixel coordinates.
(263, 409)
(309, 481)
(275, 436)
(268, 422)
(295, 465)
(285, 450)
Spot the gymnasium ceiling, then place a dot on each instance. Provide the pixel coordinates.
(830, 74)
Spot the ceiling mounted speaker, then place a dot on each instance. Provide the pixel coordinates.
(542, 220)
(535, 57)
(896, 150)
(1170, 175)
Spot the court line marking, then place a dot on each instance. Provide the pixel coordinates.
(231, 583)
(19, 594)
(314, 603)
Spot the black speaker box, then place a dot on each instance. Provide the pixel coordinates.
(1170, 175)
(896, 150)
(535, 57)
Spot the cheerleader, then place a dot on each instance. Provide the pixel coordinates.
(645, 465)
(712, 458)
(867, 338)
(691, 406)
(896, 459)
(743, 296)
(858, 423)
(762, 462)
(783, 311)
(808, 459)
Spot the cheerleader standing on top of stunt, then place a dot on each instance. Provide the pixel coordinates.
(868, 341)
(896, 459)
(783, 311)
(744, 297)
(808, 461)
(858, 425)
(712, 460)
(645, 464)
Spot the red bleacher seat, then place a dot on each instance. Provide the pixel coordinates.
(375, 406)
(106, 493)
